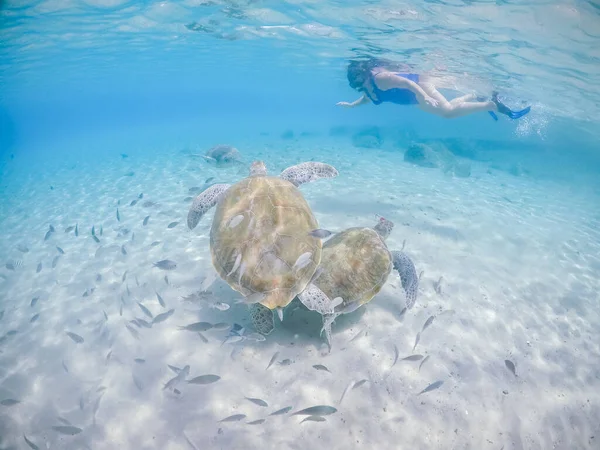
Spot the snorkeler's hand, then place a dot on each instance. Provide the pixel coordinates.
(431, 101)
(344, 104)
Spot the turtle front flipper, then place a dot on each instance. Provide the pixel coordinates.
(408, 276)
(203, 202)
(262, 319)
(307, 172)
(316, 300)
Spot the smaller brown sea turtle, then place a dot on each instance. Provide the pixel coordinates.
(259, 238)
(355, 265)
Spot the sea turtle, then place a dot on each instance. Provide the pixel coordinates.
(259, 238)
(223, 156)
(355, 265)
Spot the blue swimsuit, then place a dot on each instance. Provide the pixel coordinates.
(395, 95)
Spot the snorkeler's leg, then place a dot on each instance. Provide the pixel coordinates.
(463, 98)
(431, 90)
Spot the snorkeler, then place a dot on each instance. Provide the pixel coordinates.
(379, 84)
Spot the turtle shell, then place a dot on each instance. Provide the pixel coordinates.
(259, 240)
(356, 264)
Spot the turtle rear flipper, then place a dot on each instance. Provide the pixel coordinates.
(262, 319)
(307, 172)
(408, 276)
(203, 202)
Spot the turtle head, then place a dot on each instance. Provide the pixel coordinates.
(257, 169)
(384, 227)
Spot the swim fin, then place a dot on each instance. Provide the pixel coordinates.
(503, 109)
(493, 114)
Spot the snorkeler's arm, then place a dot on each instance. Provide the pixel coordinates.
(361, 101)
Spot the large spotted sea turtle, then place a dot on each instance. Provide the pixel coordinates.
(355, 264)
(259, 238)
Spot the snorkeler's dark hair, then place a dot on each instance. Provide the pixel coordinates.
(359, 70)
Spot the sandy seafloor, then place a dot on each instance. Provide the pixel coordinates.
(519, 257)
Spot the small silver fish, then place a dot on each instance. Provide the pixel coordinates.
(359, 383)
(31, 444)
(234, 418)
(75, 337)
(258, 401)
(320, 410)
(273, 358)
(39, 268)
(204, 379)
(22, 248)
(197, 326)
(396, 355)
(321, 367)
(172, 224)
(320, 233)
(138, 383)
(233, 339)
(146, 219)
(285, 362)
(163, 316)
(60, 250)
(236, 264)
(431, 387)
(220, 326)
(133, 202)
(76, 230)
(96, 239)
(34, 318)
(34, 300)
(203, 338)
(208, 180)
(358, 335)
(155, 243)
(181, 375)
(257, 337)
(9, 402)
(413, 358)
(427, 323)
(417, 339)
(303, 260)
(118, 215)
(313, 419)
(101, 230)
(257, 422)
(160, 300)
(93, 230)
(165, 264)
(65, 366)
(235, 221)
(48, 234)
(143, 323)
(510, 366)
(281, 411)
(220, 306)
(68, 430)
(123, 249)
(141, 196)
(423, 362)
(145, 310)
(133, 331)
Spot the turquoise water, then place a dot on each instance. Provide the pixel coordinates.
(110, 105)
